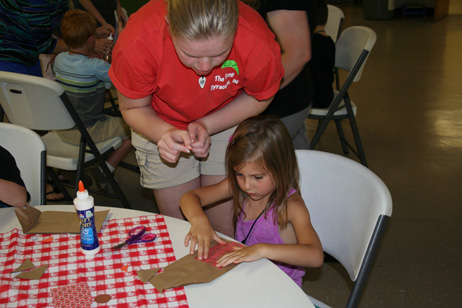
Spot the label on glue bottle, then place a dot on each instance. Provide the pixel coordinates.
(84, 205)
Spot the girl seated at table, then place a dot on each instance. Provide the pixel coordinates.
(269, 213)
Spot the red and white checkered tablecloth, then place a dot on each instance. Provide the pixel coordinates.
(108, 272)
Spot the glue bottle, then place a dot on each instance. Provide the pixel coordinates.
(85, 207)
(108, 55)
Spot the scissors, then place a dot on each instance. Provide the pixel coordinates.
(136, 235)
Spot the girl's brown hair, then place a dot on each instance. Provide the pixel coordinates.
(76, 27)
(264, 140)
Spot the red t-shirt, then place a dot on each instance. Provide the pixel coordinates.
(145, 62)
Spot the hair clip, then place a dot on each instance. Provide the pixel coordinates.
(230, 138)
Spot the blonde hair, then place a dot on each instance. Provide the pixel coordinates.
(76, 27)
(202, 19)
(264, 140)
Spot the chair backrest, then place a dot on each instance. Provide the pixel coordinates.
(353, 48)
(349, 206)
(334, 22)
(33, 102)
(29, 151)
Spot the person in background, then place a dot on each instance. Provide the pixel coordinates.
(270, 214)
(29, 28)
(292, 22)
(83, 79)
(103, 11)
(186, 73)
(323, 59)
(12, 189)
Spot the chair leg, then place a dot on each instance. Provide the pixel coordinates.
(80, 162)
(58, 183)
(317, 135)
(114, 109)
(129, 167)
(341, 135)
(359, 145)
(2, 114)
(115, 186)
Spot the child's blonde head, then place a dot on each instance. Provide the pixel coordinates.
(202, 19)
(76, 27)
(264, 140)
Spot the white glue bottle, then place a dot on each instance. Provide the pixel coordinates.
(108, 54)
(85, 207)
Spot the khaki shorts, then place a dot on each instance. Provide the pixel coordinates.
(102, 130)
(157, 174)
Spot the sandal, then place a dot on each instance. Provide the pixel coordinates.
(62, 177)
(55, 190)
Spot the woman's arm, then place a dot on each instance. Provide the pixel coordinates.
(120, 15)
(60, 46)
(12, 193)
(201, 232)
(307, 252)
(234, 113)
(293, 34)
(140, 116)
(88, 5)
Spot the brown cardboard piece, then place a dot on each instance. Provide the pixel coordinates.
(185, 271)
(32, 220)
(34, 274)
(26, 265)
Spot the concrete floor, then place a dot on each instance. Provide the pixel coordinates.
(409, 115)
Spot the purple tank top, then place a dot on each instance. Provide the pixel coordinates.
(266, 231)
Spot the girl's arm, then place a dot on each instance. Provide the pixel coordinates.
(307, 252)
(295, 42)
(201, 232)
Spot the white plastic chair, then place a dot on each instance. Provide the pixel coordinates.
(349, 207)
(352, 50)
(29, 151)
(41, 104)
(334, 24)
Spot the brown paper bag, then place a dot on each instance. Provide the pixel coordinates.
(185, 271)
(32, 220)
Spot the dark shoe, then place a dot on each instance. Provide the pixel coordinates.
(101, 180)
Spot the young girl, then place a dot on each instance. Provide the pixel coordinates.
(270, 215)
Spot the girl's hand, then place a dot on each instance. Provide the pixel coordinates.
(200, 139)
(201, 234)
(242, 254)
(172, 143)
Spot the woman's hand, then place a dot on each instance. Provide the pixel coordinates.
(201, 234)
(103, 46)
(200, 139)
(242, 254)
(122, 17)
(172, 143)
(105, 31)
